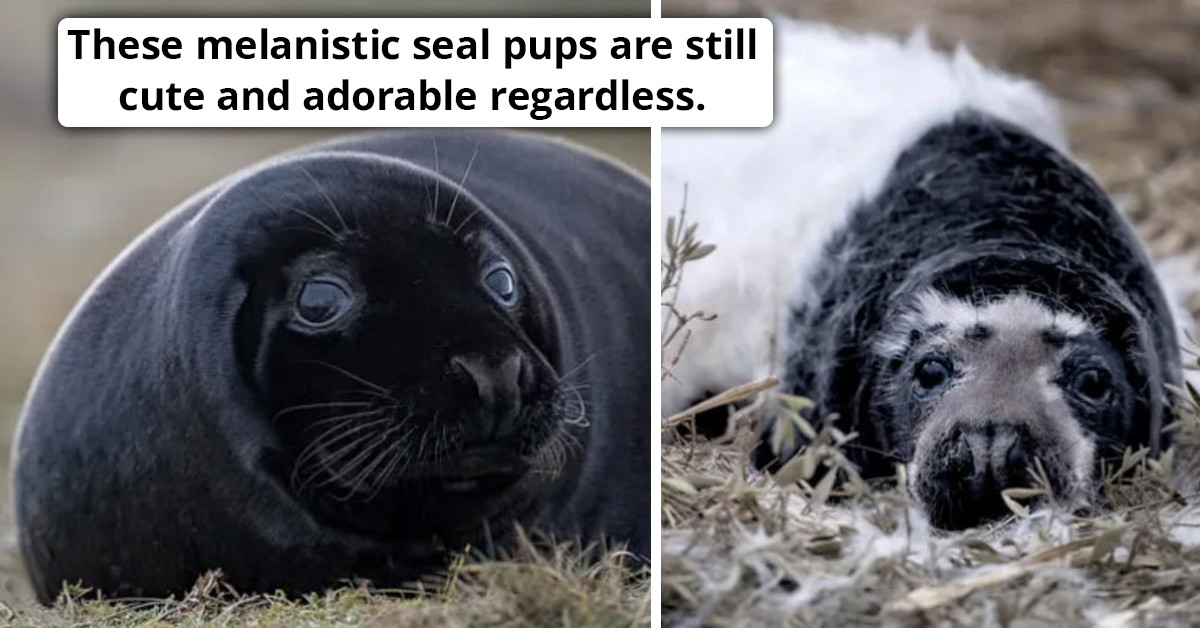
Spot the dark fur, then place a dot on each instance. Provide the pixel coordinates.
(978, 209)
(162, 435)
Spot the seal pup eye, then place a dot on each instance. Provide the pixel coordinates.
(931, 374)
(1094, 384)
(322, 300)
(501, 283)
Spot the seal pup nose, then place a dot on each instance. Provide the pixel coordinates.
(497, 385)
(993, 455)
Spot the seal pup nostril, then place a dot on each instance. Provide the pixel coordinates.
(993, 454)
(498, 385)
(961, 461)
(1015, 460)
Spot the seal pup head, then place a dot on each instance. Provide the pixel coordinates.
(989, 396)
(400, 339)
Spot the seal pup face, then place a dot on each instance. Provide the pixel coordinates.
(401, 341)
(982, 396)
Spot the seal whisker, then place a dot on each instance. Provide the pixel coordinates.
(431, 213)
(420, 455)
(315, 447)
(328, 199)
(405, 458)
(307, 473)
(574, 370)
(323, 234)
(337, 237)
(390, 399)
(368, 469)
(570, 402)
(465, 221)
(459, 189)
(335, 464)
(320, 441)
(437, 180)
(550, 460)
(359, 465)
(376, 387)
(343, 418)
(315, 406)
(326, 230)
(391, 455)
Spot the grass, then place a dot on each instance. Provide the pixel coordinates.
(539, 587)
(742, 549)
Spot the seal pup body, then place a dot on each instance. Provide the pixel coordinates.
(922, 260)
(344, 362)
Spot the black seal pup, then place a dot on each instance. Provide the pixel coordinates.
(344, 361)
(911, 247)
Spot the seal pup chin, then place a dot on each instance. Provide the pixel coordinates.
(911, 247)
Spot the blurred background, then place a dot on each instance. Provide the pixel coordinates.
(70, 200)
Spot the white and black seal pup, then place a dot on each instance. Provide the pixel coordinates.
(343, 361)
(911, 247)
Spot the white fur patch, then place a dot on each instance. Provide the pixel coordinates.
(1082, 452)
(846, 107)
(1015, 312)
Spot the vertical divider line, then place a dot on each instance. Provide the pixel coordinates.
(656, 383)
(656, 368)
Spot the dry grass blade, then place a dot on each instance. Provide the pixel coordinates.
(733, 395)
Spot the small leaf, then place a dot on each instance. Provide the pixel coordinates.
(1194, 393)
(701, 482)
(699, 252)
(981, 552)
(808, 465)
(796, 403)
(1016, 508)
(680, 485)
(1131, 459)
(823, 489)
(1024, 493)
(826, 546)
(796, 469)
(804, 427)
(782, 437)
